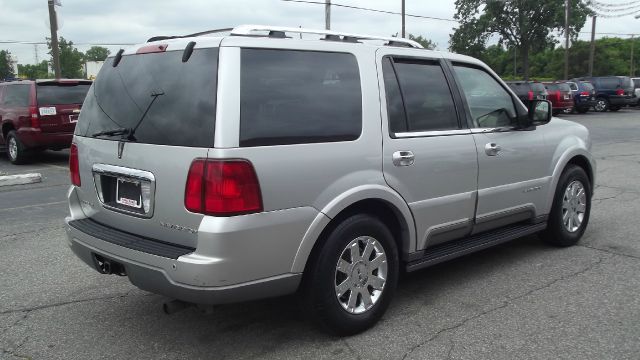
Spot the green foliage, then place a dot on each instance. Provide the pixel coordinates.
(71, 60)
(426, 43)
(5, 65)
(37, 71)
(612, 56)
(96, 53)
(525, 25)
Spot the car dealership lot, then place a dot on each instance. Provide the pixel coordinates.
(520, 300)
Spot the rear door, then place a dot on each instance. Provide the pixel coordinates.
(136, 182)
(429, 155)
(59, 103)
(512, 164)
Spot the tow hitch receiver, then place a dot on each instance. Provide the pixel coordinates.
(108, 266)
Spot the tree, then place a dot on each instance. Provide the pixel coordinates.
(525, 25)
(6, 71)
(426, 43)
(96, 53)
(37, 71)
(71, 60)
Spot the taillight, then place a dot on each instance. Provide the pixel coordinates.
(74, 165)
(619, 92)
(585, 93)
(530, 95)
(222, 188)
(33, 115)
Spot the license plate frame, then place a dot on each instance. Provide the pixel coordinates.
(108, 180)
(129, 193)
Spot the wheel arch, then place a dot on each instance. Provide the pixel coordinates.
(6, 127)
(575, 156)
(376, 200)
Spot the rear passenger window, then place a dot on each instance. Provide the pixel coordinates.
(17, 95)
(428, 103)
(290, 97)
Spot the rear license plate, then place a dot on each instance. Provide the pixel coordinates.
(128, 193)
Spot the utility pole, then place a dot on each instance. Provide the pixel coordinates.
(592, 50)
(35, 50)
(566, 40)
(55, 50)
(631, 62)
(327, 14)
(515, 61)
(403, 19)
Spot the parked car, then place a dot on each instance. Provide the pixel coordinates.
(528, 90)
(584, 95)
(560, 96)
(215, 174)
(636, 90)
(612, 92)
(39, 115)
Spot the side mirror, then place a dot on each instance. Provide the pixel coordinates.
(539, 112)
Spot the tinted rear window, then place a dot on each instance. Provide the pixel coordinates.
(58, 94)
(290, 97)
(537, 87)
(552, 87)
(587, 86)
(183, 113)
(609, 82)
(564, 87)
(626, 83)
(16, 95)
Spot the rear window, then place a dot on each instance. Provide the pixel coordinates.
(587, 86)
(552, 87)
(626, 82)
(16, 95)
(609, 82)
(61, 94)
(564, 87)
(183, 112)
(537, 87)
(291, 97)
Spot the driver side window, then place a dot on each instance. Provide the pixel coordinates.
(489, 103)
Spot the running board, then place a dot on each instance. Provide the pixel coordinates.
(457, 248)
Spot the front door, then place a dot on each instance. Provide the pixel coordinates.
(513, 164)
(429, 156)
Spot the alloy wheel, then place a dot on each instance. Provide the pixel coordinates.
(360, 275)
(574, 206)
(13, 148)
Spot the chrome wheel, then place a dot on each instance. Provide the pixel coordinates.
(601, 105)
(13, 148)
(361, 273)
(574, 206)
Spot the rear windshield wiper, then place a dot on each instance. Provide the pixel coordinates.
(154, 94)
(112, 132)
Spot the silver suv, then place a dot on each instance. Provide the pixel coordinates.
(218, 168)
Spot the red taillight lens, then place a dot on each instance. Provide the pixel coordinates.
(619, 92)
(74, 165)
(530, 95)
(222, 188)
(34, 116)
(585, 93)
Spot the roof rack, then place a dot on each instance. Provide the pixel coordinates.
(244, 30)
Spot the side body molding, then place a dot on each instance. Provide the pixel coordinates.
(344, 200)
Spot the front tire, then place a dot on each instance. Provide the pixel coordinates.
(16, 151)
(571, 208)
(350, 282)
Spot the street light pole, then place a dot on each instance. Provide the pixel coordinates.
(631, 60)
(402, 18)
(55, 50)
(592, 48)
(327, 14)
(566, 39)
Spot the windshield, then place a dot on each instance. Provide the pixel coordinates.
(175, 98)
(61, 94)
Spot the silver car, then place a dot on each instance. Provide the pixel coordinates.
(217, 168)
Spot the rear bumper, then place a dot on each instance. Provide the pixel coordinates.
(35, 138)
(584, 103)
(622, 100)
(245, 258)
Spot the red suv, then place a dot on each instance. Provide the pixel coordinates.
(560, 96)
(39, 115)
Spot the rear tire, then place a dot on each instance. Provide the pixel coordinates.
(352, 278)
(16, 151)
(571, 208)
(601, 105)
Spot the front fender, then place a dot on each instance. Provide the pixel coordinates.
(566, 151)
(341, 202)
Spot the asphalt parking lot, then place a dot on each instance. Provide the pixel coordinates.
(520, 300)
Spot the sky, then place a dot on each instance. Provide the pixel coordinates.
(88, 22)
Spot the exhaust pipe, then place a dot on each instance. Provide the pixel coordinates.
(173, 306)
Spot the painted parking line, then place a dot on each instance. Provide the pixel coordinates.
(66, 168)
(34, 205)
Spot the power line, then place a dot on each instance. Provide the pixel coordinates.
(601, 4)
(369, 9)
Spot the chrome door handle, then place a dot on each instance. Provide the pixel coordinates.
(403, 158)
(492, 149)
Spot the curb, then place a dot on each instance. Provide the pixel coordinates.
(20, 179)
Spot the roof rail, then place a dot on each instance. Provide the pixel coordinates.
(244, 30)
